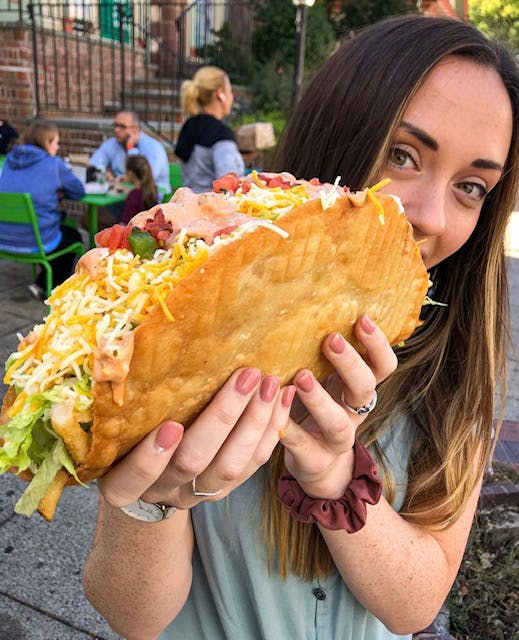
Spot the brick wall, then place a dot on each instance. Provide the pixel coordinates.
(65, 86)
(17, 100)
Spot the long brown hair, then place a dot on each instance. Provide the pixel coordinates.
(40, 133)
(448, 369)
(142, 170)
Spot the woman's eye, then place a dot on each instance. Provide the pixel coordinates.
(399, 157)
(474, 190)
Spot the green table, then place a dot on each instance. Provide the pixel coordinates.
(96, 200)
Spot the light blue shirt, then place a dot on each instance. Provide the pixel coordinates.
(112, 155)
(233, 596)
(209, 163)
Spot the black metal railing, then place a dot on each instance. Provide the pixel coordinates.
(94, 58)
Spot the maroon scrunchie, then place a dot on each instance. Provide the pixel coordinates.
(348, 512)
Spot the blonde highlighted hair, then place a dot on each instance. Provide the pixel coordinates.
(448, 370)
(198, 92)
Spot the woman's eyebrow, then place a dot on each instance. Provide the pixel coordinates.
(428, 141)
(421, 135)
(481, 163)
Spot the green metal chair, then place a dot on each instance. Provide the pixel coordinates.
(18, 208)
(175, 176)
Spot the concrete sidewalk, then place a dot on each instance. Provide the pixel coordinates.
(41, 596)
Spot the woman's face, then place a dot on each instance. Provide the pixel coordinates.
(53, 146)
(449, 152)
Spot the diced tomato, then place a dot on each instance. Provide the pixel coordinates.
(229, 182)
(315, 181)
(245, 187)
(278, 181)
(101, 237)
(125, 240)
(115, 237)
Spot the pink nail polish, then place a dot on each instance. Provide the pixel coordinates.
(248, 380)
(305, 382)
(168, 435)
(288, 396)
(269, 388)
(337, 344)
(367, 324)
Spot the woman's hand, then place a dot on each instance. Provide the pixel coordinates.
(225, 445)
(319, 450)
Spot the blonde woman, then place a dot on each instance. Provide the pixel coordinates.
(311, 544)
(206, 145)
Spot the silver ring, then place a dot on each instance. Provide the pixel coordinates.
(365, 409)
(205, 494)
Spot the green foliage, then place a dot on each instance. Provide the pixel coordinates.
(274, 46)
(347, 16)
(228, 53)
(274, 38)
(497, 19)
(272, 85)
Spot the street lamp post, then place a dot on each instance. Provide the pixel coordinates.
(300, 22)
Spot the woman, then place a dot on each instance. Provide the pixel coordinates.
(206, 146)
(405, 99)
(34, 167)
(144, 194)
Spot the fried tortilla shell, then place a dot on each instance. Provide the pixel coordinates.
(263, 301)
(268, 302)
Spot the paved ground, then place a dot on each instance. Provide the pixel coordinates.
(40, 567)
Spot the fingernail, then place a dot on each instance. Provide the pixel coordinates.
(269, 388)
(247, 380)
(337, 344)
(288, 396)
(168, 435)
(367, 324)
(305, 382)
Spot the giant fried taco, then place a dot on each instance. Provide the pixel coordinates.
(157, 317)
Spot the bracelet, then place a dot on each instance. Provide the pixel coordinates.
(348, 512)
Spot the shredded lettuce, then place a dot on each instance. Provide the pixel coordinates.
(29, 441)
(55, 459)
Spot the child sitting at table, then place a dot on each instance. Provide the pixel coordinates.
(144, 194)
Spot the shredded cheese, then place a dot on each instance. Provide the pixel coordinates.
(330, 198)
(124, 291)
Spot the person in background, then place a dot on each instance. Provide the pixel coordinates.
(34, 167)
(302, 545)
(144, 194)
(8, 135)
(129, 139)
(206, 145)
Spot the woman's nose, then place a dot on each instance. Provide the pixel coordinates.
(428, 213)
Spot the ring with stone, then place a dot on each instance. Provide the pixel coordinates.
(364, 409)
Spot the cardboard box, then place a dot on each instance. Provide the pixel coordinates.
(255, 136)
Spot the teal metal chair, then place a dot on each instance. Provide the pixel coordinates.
(18, 208)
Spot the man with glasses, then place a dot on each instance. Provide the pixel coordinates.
(130, 139)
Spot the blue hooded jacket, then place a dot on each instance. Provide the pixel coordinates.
(30, 169)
